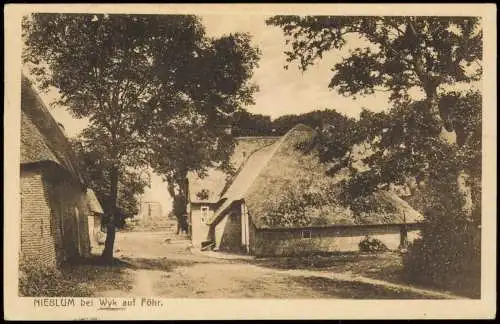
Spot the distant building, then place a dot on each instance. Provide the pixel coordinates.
(54, 211)
(230, 213)
(149, 210)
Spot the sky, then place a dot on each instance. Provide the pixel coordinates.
(289, 91)
(281, 91)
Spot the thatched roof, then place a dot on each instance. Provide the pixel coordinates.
(216, 181)
(93, 202)
(275, 171)
(42, 140)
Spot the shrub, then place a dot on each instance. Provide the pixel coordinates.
(449, 253)
(38, 280)
(446, 260)
(372, 245)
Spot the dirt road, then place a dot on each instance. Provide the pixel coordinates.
(162, 264)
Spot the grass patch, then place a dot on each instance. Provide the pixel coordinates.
(80, 278)
(387, 266)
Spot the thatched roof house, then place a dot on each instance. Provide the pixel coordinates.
(280, 187)
(53, 195)
(208, 189)
(42, 139)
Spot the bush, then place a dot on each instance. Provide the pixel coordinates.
(372, 245)
(448, 255)
(37, 280)
(446, 260)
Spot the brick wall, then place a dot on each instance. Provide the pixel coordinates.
(38, 229)
(54, 214)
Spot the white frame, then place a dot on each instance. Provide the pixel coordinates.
(204, 214)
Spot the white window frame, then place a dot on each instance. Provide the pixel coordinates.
(204, 214)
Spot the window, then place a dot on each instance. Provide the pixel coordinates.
(204, 214)
(306, 234)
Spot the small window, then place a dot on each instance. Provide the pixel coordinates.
(204, 214)
(306, 234)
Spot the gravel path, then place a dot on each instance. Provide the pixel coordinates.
(163, 265)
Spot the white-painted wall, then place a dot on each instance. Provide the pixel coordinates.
(199, 229)
(339, 240)
(245, 227)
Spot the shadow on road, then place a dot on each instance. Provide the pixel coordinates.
(355, 290)
(163, 264)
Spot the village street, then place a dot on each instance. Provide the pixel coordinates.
(162, 264)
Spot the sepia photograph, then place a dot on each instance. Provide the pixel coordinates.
(168, 157)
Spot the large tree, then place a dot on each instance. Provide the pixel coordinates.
(401, 54)
(129, 75)
(437, 56)
(248, 124)
(317, 119)
(95, 166)
(216, 88)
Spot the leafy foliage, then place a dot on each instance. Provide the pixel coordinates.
(95, 167)
(405, 144)
(248, 124)
(140, 79)
(449, 253)
(404, 52)
(38, 280)
(371, 244)
(215, 87)
(203, 194)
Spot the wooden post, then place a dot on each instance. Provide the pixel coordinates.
(244, 227)
(404, 233)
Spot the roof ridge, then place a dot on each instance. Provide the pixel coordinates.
(242, 165)
(279, 143)
(228, 203)
(68, 161)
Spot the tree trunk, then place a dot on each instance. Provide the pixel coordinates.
(107, 253)
(462, 176)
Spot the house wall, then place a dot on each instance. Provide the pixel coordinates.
(252, 244)
(245, 227)
(95, 233)
(334, 239)
(54, 216)
(199, 229)
(228, 231)
(219, 231)
(40, 232)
